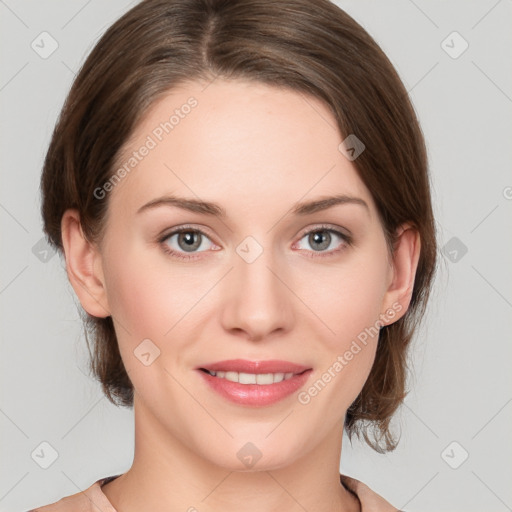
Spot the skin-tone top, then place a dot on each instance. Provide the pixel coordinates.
(90, 500)
(94, 500)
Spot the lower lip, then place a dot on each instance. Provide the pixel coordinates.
(255, 394)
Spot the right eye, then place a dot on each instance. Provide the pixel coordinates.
(185, 240)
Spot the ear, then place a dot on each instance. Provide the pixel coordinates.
(83, 266)
(404, 264)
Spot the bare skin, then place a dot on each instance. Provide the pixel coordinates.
(256, 151)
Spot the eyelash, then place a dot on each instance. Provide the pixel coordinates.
(347, 241)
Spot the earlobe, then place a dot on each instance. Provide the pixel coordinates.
(404, 265)
(83, 266)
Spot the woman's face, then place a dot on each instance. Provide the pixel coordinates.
(265, 281)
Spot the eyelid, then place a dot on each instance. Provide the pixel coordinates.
(184, 227)
(328, 227)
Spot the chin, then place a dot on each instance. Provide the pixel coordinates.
(248, 456)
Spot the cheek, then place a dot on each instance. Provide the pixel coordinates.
(132, 300)
(150, 297)
(150, 303)
(348, 300)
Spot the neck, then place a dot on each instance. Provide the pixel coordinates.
(167, 474)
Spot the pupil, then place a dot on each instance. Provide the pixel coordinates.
(188, 238)
(319, 238)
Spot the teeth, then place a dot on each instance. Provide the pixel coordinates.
(252, 378)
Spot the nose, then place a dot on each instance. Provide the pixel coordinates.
(258, 302)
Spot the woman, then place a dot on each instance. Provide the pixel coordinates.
(241, 193)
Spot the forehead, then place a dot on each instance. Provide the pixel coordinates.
(241, 143)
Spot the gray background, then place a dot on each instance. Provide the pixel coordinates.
(461, 389)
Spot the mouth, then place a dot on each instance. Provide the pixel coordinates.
(254, 383)
(263, 379)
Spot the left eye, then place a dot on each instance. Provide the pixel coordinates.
(321, 239)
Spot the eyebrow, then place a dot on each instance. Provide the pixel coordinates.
(209, 208)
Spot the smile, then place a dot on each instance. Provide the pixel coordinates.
(254, 383)
(251, 378)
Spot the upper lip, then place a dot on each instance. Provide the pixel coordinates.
(246, 366)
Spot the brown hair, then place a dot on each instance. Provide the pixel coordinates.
(309, 46)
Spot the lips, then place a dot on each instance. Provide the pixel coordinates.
(245, 366)
(288, 378)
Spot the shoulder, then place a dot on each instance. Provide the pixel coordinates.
(369, 499)
(93, 498)
(67, 504)
(89, 500)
